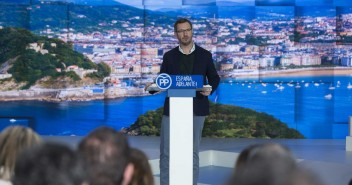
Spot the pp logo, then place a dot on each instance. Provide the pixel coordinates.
(163, 81)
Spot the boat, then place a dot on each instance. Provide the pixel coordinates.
(12, 120)
(281, 88)
(331, 87)
(349, 86)
(328, 96)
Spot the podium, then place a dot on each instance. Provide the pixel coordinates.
(180, 89)
(349, 137)
(181, 136)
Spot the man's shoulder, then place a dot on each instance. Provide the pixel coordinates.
(201, 49)
(172, 51)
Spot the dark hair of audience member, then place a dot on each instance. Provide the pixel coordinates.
(49, 164)
(105, 152)
(303, 176)
(269, 164)
(142, 174)
(13, 140)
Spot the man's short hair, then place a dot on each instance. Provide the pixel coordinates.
(182, 20)
(105, 152)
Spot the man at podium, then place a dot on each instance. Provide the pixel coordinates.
(187, 59)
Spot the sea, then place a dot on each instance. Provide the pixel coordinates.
(317, 106)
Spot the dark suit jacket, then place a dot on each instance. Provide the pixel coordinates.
(203, 65)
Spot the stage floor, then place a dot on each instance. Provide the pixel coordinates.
(328, 158)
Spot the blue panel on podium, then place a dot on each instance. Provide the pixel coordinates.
(165, 81)
(186, 81)
(181, 93)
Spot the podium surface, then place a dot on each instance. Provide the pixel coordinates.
(181, 137)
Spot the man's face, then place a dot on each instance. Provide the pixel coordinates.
(184, 33)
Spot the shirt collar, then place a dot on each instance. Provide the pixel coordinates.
(192, 49)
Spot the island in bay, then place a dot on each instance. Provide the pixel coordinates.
(224, 121)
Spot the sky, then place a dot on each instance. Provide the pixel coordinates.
(235, 2)
(177, 3)
(152, 3)
(275, 2)
(167, 4)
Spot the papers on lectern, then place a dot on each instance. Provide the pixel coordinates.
(154, 87)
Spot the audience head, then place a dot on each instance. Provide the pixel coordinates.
(142, 174)
(49, 164)
(105, 152)
(13, 140)
(264, 151)
(269, 164)
(303, 176)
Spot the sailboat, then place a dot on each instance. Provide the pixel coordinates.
(328, 96)
(349, 86)
(331, 87)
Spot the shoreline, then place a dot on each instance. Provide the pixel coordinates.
(66, 95)
(312, 72)
(328, 71)
(68, 99)
(33, 95)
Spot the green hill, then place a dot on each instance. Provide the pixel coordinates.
(225, 121)
(27, 65)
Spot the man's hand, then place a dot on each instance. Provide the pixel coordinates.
(147, 85)
(205, 92)
(153, 88)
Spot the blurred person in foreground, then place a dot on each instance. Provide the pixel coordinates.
(106, 155)
(13, 140)
(270, 164)
(49, 164)
(142, 174)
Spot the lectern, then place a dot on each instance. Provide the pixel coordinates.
(181, 89)
(349, 137)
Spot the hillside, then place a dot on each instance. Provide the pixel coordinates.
(225, 121)
(30, 58)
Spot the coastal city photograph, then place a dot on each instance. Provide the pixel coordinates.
(67, 66)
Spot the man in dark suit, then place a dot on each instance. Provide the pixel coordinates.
(187, 59)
